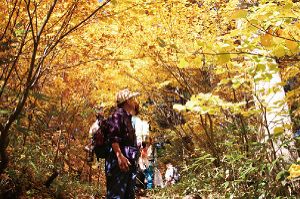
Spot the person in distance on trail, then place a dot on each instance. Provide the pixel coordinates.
(121, 163)
(171, 175)
(93, 129)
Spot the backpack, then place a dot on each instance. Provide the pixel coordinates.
(176, 175)
(100, 139)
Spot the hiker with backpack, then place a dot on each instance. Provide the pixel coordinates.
(171, 175)
(121, 161)
(93, 134)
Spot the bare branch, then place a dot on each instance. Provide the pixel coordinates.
(233, 53)
(48, 49)
(80, 23)
(15, 60)
(50, 11)
(30, 21)
(9, 20)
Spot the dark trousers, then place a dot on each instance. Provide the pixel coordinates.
(119, 185)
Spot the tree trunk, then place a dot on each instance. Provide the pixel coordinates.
(3, 153)
(276, 116)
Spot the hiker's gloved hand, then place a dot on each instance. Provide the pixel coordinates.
(123, 163)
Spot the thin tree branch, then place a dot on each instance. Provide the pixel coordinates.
(30, 21)
(80, 23)
(261, 29)
(232, 53)
(15, 61)
(9, 20)
(50, 11)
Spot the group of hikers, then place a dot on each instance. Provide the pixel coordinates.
(148, 173)
(129, 164)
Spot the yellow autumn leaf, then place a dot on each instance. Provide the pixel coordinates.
(279, 51)
(288, 5)
(280, 32)
(292, 45)
(294, 171)
(223, 58)
(266, 40)
(197, 61)
(238, 14)
(200, 43)
(278, 131)
(183, 63)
